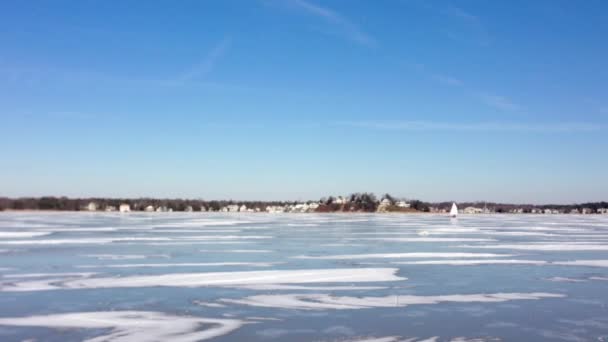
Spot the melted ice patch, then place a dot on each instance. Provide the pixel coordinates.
(325, 301)
(221, 279)
(130, 326)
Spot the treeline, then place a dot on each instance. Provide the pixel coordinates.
(357, 202)
(525, 208)
(137, 204)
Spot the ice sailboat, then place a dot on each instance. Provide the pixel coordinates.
(454, 210)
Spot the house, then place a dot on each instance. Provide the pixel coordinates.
(110, 208)
(403, 204)
(586, 211)
(233, 208)
(243, 208)
(300, 208)
(124, 208)
(602, 211)
(473, 210)
(92, 206)
(149, 209)
(188, 208)
(340, 200)
(548, 211)
(275, 209)
(574, 211)
(203, 209)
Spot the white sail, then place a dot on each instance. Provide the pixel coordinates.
(454, 210)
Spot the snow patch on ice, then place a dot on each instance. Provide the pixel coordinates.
(130, 326)
(589, 263)
(19, 235)
(218, 279)
(325, 301)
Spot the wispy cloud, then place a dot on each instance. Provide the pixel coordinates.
(499, 102)
(448, 80)
(462, 14)
(466, 27)
(345, 27)
(474, 126)
(205, 66)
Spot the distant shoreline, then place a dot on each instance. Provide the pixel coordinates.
(343, 213)
(354, 203)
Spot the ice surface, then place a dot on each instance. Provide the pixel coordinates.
(317, 284)
(403, 255)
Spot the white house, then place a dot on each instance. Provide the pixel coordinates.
(92, 206)
(243, 208)
(188, 209)
(233, 208)
(473, 210)
(124, 208)
(340, 200)
(149, 208)
(275, 209)
(403, 204)
(110, 208)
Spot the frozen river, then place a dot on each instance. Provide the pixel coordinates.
(302, 277)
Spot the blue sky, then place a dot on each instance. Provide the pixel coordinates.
(297, 99)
